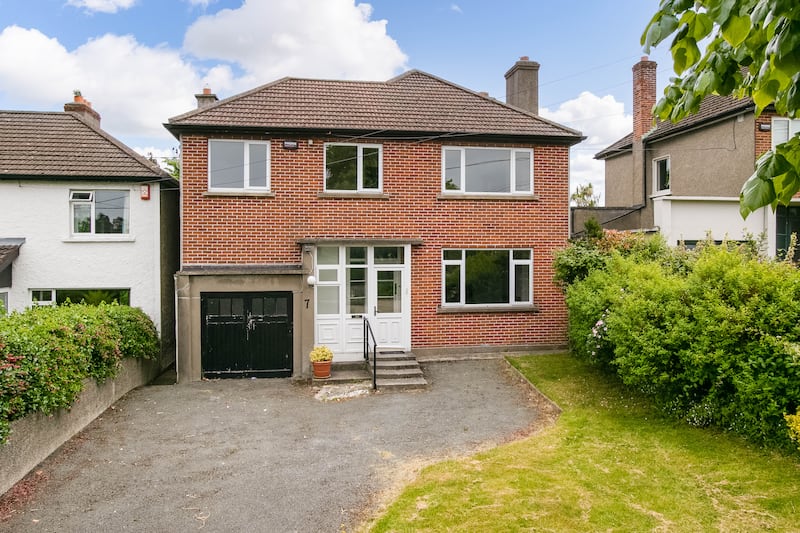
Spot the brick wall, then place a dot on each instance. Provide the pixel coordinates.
(265, 230)
(763, 138)
(644, 96)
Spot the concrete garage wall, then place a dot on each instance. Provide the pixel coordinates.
(36, 436)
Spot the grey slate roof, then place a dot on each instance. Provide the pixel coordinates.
(412, 102)
(712, 108)
(62, 145)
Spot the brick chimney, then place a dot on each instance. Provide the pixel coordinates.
(644, 96)
(522, 85)
(206, 98)
(83, 107)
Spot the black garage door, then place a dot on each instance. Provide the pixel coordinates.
(246, 334)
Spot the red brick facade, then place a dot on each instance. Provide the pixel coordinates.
(763, 137)
(260, 230)
(644, 96)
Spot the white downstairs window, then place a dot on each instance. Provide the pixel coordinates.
(493, 277)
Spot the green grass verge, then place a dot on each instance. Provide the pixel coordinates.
(610, 463)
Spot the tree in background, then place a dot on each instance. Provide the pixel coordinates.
(173, 166)
(752, 50)
(584, 196)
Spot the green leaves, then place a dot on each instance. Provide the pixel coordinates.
(736, 29)
(47, 352)
(659, 29)
(776, 179)
(752, 50)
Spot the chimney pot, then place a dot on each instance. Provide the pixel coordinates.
(522, 85)
(83, 107)
(205, 98)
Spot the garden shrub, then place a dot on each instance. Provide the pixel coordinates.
(793, 421)
(47, 352)
(713, 335)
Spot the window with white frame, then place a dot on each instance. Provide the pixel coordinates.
(235, 165)
(784, 129)
(487, 277)
(87, 296)
(482, 170)
(99, 211)
(353, 167)
(43, 297)
(3, 303)
(661, 174)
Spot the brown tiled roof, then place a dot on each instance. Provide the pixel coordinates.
(412, 102)
(61, 144)
(622, 145)
(712, 108)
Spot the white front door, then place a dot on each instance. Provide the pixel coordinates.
(354, 282)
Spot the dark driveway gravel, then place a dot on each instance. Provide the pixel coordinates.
(265, 455)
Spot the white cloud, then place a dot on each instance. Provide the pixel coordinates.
(134, 97)
(603, 121)
(315, 38)
(201, 3)
(456, 8)
(136, 88)
(103, 6)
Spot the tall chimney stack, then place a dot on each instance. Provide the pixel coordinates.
(522, 85)
(83, 107)
(206, 98)
(644, 96)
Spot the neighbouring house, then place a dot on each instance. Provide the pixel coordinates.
(683, 179)
(84, 218)
(428, 208)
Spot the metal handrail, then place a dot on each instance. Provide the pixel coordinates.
(368, 330)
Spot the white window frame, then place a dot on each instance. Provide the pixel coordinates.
(359, 168)
(792, 127)
(463, 178)
(79, 197)
(656, 161)
(461, 263)
(3, 302)
(245, 166)
(51, 301)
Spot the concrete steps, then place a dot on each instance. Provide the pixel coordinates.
(398, 371)
(395, 371)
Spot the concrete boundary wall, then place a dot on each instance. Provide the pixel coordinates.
(36, 436)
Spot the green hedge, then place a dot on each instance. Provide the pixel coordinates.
(713, 337)
(47, 352)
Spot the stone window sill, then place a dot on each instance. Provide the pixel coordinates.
(504, 197)
(450, 309)
(355, 195)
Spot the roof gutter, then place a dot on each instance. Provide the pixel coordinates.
(567, 140)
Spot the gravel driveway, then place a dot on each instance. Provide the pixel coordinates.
(265, 455)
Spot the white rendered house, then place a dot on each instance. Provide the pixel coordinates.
(83, 217)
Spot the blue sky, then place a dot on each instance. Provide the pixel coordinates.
(141, 61)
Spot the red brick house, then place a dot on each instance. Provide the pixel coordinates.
(428, 208)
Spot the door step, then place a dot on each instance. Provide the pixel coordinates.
(396, 370)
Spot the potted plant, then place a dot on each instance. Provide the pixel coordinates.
(321, 357)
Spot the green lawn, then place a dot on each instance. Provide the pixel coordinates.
(610, 463)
